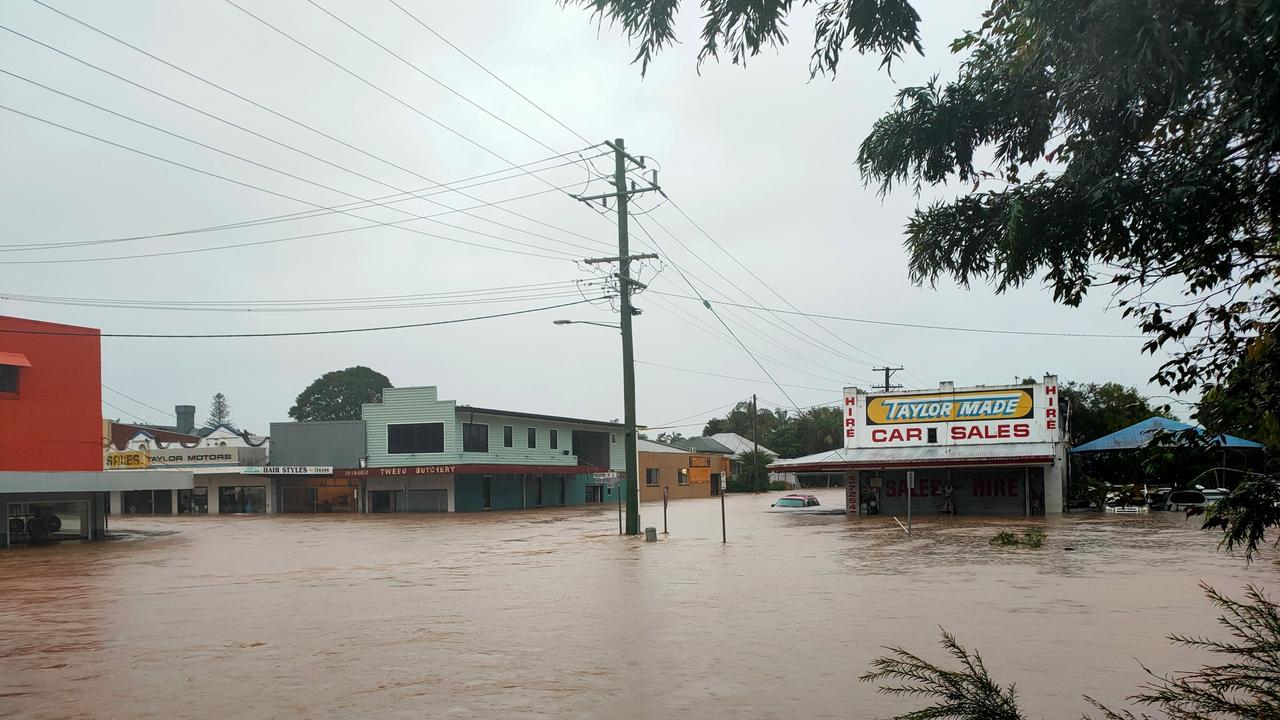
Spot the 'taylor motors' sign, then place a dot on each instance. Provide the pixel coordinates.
(1015, 413)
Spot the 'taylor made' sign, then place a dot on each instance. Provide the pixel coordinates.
(1014, 413)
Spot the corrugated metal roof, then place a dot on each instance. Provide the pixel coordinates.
(1139, 435)
(739, 444)
(643, 445)
(922, 455)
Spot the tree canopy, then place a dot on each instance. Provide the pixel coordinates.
(338, 395)
(219, 412)
(789, 434)
(1101, 409)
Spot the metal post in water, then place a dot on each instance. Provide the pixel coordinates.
(911, 486)
(619, 489)
(664, 509)
(724, 487)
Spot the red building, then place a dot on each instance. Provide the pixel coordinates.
(50, 396)
(52, 483)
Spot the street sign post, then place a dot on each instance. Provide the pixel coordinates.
(911, 486)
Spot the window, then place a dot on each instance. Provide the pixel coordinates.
(555, 440)
(682, 476)
(415, 438)
(506, 436)
(933, 435)
(475, 437)
(533, 437)
(8, 379)
(652, 476)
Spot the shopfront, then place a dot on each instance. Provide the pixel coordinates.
(985, 450)
(474, 487)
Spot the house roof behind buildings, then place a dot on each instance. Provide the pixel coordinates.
(643, 445)
(703, 444)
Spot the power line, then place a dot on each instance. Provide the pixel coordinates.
(697, 324)
(697, 414)
(298, 333)
(397, 224)
(758, 279)
(735, 377)
(163, 413)
(429, 76)
(792, 331)
(562, 290)
(135, 302)
(308, 214)
(282, 116)
(275, 170)
(124, 412)
(382, 90)
(717, 315)
(491, 74)
(920, 326)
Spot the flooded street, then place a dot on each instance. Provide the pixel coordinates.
(550, 614)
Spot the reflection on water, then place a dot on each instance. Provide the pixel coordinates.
(549, 613)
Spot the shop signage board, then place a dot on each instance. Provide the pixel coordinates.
(288, 470)
(195, 457)
(961, 416)
(127, 459)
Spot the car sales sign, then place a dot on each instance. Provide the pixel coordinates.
(962, 416)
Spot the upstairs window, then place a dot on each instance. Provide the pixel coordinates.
(555, 440)
(475, 437)
(415, 438)
(533, 437)
(507, 432)
(8, 379)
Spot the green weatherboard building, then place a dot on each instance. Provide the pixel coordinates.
(425, 454)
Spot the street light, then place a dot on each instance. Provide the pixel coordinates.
(585, 322)
(630, 488)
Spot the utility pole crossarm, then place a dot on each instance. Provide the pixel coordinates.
(595, 261)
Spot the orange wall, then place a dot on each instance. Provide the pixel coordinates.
(54, 422)
(668, 464)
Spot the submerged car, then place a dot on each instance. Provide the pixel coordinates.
(1198, 498)
(796, 500)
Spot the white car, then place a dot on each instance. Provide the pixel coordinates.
(1198, 498)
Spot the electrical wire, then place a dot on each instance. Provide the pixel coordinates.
(295, 333)
(383, 91)
(429, 76)
(717, 315)
(734, 377)
(918, 326)
(311, 301)
(308, 214)
(163, 413)
(396, 224)
(282, 116)
(125, 413)
(758, 279)
(774, 322)
(287, 174)
(491, 74)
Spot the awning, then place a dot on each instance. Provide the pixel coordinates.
(920, 456)
(91, 481)
(1139, 435)
(14, 359)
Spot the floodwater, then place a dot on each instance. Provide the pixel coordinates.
(551, 614)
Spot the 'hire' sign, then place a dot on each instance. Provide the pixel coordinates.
(965, 416)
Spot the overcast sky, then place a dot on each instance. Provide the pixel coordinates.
(762, 158)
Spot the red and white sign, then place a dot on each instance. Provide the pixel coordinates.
(1026, 413)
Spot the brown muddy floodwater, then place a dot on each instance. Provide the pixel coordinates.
(550, 614)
